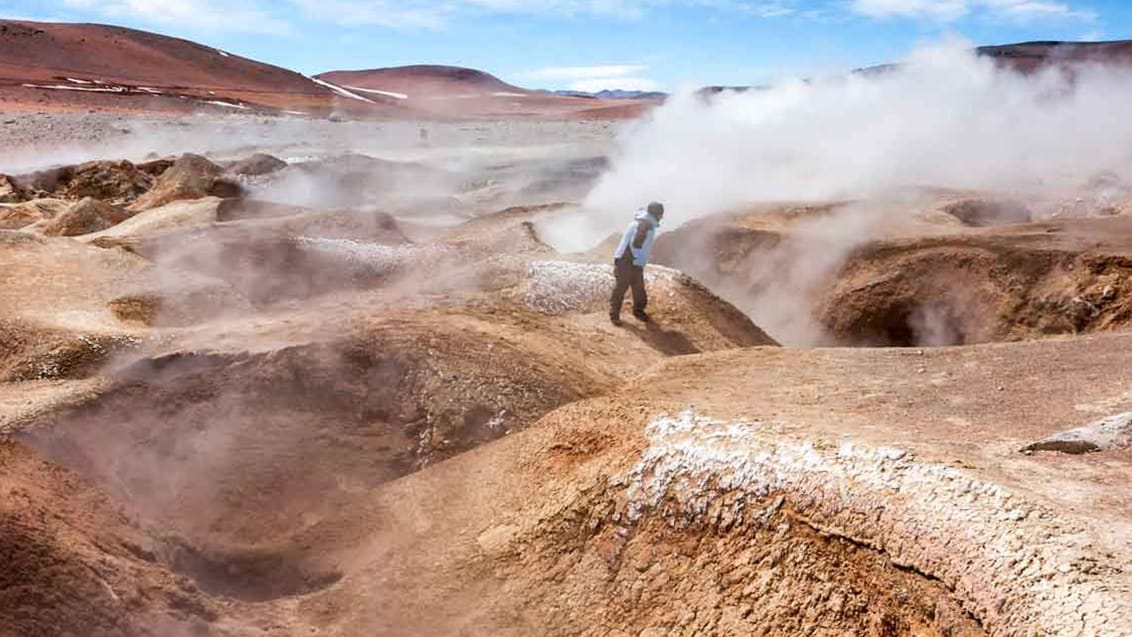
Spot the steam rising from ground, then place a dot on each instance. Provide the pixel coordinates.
(944, 118)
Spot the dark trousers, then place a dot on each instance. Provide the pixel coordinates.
(628, 276)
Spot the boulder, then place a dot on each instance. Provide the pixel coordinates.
(1114, 432)
(256, 165)
(190, 177)
(117, 182)
(87, 216)
(10, 191)
(19, 215)
(155, 167)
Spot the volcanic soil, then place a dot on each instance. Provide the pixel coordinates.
(230, 410)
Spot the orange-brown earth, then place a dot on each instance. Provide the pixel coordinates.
(82, 66)
(930, 273)
(225, 416)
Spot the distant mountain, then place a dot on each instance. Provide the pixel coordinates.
(458, 91)
(1031, 56)
(422, 79)
(48, 66)
(1028, 56)
(616, 95)
(100, 66)
(715, 90)
(1024, 56)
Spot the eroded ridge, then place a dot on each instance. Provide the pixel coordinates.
(1014, 564)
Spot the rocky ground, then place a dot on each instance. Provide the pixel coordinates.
(303, 384)
(38, 140)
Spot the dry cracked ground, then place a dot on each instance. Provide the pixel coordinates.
(248, 396)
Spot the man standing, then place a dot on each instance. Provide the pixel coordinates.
(629, 262)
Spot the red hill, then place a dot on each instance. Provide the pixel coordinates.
(105, 67)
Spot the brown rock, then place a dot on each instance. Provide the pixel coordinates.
(256, 165)
(117, 182)
(86, 216)
(190, 177)
(10, 191)
(155, 167)
(16, 216)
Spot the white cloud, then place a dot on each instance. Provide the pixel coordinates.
(436, 14)
(394, 15)
(1026, 10)
(949, 10)
(771, 9)
(274, 16)
(592, 79)
(614, 83)
(584, 72)
(946, 10)
(931, 9)
(212, 15)
(623, 8)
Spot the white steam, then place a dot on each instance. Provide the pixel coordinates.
(945, 118)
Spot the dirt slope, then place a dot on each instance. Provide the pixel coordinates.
(71, 549)
(238, 417)
(455, 91)
(944, 271)
(1023, 281)
(824, 492)
(98, 66)
(423, 79)
(299, 372)
(819, 492)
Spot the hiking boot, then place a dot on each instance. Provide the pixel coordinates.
(641, 316)
(616, 320)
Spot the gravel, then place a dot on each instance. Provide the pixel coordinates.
(36, 140)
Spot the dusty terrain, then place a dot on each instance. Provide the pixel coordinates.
(275, 376)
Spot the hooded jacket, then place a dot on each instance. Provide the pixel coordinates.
(638, 238)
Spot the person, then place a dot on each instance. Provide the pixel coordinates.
(629, 261)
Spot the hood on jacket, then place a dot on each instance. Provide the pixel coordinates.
(643, 215)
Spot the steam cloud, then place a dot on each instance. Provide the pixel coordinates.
(944, 117)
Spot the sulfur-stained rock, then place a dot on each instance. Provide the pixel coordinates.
(10, 191)
(87, 216)
(20, 215)
(190, 177)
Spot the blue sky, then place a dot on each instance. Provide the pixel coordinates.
(594, 44)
